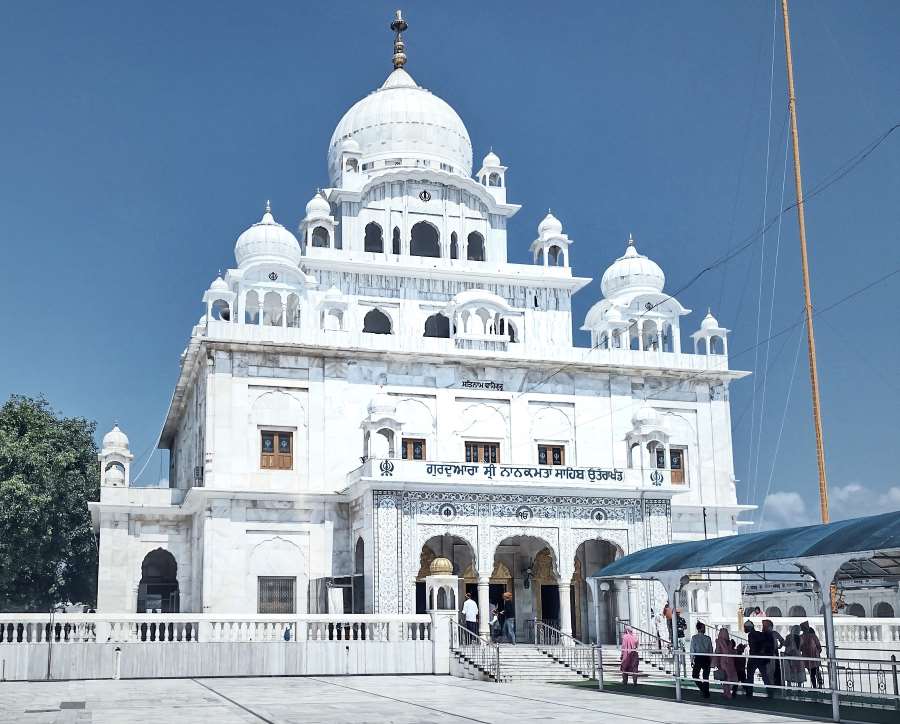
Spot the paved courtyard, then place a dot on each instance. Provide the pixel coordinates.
(341, 699)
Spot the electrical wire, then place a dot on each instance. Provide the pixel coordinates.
(765, 376)
(762, 254)
(787, 401)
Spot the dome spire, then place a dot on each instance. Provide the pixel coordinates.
(398, 26)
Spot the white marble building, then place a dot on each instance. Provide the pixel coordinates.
(384, 387)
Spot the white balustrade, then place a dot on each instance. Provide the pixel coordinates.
(185, 627)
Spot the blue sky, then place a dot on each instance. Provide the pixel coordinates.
(139, 139)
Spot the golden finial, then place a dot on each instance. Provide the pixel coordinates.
(398, 26)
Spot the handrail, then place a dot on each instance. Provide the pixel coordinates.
(652, 636)
(549, 632)
(482, 653)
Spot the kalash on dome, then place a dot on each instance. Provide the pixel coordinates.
(381, 388)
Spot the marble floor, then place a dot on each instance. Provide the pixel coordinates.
(357, 699)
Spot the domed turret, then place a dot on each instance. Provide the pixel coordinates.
(318, 207)
(492, 159)
(219, 285)
(115, 459)
(115, 440)
(632, 272)
(402, 124)
(267, 240)
(709, 321)
(549, 226)
(441, 566)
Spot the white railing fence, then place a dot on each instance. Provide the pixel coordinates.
(186, 627)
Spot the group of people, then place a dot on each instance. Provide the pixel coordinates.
(735, 664)
(502, 621)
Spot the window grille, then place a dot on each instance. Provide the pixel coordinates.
(276, 594)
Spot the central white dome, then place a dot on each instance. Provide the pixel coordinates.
(402, 121)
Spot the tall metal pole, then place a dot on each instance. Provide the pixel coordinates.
(807, 298)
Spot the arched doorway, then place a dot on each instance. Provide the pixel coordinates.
(158, 589)
(455, 549)
(533, 581)
(589, 557)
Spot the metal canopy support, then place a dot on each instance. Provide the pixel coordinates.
(671, 581)
(824, 569)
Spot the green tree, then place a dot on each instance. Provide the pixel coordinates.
(48, 473)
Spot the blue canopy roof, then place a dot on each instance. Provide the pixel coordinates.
(873, 533)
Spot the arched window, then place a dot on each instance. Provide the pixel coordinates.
(320, 236)
(359, 581)
(251, 308)
(716, 346)
(856, 609)
(352, 164)
(634, 335)
(883, 610)
(374, 240)
(454, 246)
(797, 612)
(221, 311)
(494, 179)
(293, 310)
(701, 345)
(773, 611)
(424, 240)
(555, 256)
(437, 325)
(475, 251)
(272, 310)
(395, 241)
(377, 322)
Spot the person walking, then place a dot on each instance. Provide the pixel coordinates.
(509, 618)
(726, 670)
(701, 653)
(761, 646)
(811, 649)
(470, 614)
(667, 615)
(630, 661)
(794, 669)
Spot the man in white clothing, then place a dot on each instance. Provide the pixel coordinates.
(470, 614)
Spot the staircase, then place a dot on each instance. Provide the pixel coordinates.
(525, 663)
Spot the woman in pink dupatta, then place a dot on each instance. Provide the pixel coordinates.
(725, 662)
(630, 659)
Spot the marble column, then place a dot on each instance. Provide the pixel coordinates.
(565, 608)
(484, 608)
(635, 615)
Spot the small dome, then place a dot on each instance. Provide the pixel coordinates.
(709, 321)
(333, 293)
(115, 439)
(402, 120)
(349, 146)
(550, 226)
(219, 285)
(441, 566)
(614, 315)
(632, 272)
(318, 207)
(383, 405)
(265, 240)
(115, 475)
(492, 159)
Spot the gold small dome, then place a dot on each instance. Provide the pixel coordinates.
(441, 567)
